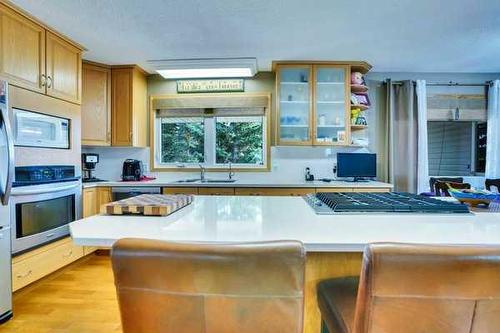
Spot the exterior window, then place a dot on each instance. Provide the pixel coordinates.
(212, 140)
(456, 148)
(182, 140)
(239, 140)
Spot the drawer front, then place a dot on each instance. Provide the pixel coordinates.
(29, 268)
(216, 191)
(180, 190)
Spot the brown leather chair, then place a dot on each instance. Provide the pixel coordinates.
(441, 188)
(416, 288)
(492, 182)
(194, 288)
(433, 180)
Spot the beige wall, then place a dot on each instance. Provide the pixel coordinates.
(262, 82)
(24, 99)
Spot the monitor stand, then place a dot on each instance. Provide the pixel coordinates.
(358, 180)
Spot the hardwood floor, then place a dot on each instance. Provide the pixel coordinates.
(79, 298)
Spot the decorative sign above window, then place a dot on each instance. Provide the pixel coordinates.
(207, 86)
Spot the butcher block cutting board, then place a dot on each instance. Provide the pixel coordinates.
(148, 204)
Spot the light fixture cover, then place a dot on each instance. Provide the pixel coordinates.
(205, 68)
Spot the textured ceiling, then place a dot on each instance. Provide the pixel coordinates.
(393, 35)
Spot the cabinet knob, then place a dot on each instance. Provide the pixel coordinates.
(43, 80)
(49, 81)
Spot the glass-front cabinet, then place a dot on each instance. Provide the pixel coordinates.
(295, 107)
(313, 104)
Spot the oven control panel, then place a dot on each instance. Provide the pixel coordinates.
(34, 175)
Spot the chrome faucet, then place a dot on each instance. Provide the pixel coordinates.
(231, 173)
(202, 173)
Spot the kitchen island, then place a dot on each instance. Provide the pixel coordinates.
(333, 242)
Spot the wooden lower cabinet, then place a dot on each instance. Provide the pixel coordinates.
(216, 191)
(33, 265)
(266, 191)
(180, 190)
(104, 196)
(93, 199)
(89, 201)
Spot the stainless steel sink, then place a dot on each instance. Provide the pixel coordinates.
(188, 180)
(198, 180)
(218, 181)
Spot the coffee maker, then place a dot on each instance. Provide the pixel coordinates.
(89, 161)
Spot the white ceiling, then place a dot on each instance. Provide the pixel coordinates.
(393, 35)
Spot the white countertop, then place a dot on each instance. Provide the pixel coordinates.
(245, 183)
(245, 218)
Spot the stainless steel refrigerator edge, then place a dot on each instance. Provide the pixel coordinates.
(6, 179)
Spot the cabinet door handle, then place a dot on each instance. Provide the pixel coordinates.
(108, 136)
(68, 254)
(43, 80)
(22, 276)
(49, 81)
(131, 136)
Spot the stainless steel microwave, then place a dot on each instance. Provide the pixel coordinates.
(33, 129)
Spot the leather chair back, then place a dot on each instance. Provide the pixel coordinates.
(194, 288)
(433, 180)
(441, 188)
(492, 182)
(411, 288)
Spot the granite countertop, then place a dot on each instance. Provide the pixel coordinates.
(220, 219)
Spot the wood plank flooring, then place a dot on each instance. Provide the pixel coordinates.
(79, 298)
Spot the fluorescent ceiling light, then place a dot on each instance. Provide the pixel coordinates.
(205, 68)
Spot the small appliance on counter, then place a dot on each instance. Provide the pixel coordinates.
(133, 170)
(89, 162)
(309, 176)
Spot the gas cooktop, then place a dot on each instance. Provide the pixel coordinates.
(392, 202)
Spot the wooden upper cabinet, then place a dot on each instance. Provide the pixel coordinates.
(96, 105)
(128, 107)
(22, 50)
(64, 69)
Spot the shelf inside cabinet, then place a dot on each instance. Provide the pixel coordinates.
(295, 83)
(295, 102)
(358, 127)
(359, 88)
(359, 106)
(330, 102)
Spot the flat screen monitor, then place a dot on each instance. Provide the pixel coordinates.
(357, 165)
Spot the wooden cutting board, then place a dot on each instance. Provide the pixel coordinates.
(148, 204)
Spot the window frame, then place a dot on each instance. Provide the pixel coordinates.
(210, 142)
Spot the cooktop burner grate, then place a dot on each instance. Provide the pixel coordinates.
(391, 202)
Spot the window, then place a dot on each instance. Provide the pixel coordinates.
(213, 137)
(456, 148)
(239, 140)
(182, 140)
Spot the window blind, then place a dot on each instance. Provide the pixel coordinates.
(450, 148)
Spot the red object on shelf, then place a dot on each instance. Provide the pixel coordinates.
(143, 179)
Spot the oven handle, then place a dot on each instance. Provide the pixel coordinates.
(27, 191)
(10, 152)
